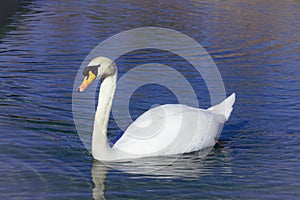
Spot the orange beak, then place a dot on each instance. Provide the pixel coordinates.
(86, 81)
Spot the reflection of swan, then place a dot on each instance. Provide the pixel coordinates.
(172, 166)
(188, 167)
(99, 173)
(164, 130)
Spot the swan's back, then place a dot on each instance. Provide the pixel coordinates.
(174, 128)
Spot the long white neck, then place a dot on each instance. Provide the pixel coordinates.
(100, 147)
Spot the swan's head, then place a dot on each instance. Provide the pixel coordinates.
(99, 67)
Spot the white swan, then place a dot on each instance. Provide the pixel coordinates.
(163, 130)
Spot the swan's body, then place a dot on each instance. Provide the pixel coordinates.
(163, 130)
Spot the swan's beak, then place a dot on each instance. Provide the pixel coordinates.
(87, 81)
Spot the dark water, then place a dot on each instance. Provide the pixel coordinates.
(256, 47)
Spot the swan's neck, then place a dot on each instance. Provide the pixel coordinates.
(100, 146)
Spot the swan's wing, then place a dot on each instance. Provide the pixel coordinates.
(225, 107)
(170, 129)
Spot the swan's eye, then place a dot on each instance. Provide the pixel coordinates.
(93, 69)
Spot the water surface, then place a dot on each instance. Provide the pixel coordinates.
(255, 45)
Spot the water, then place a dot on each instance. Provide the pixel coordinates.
(256, 48)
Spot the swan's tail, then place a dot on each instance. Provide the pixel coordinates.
(225, 107)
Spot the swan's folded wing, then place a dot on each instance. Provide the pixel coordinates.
(168, 129)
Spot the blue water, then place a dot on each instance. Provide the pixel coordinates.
(255, 45)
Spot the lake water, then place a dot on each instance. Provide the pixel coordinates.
(256, 47)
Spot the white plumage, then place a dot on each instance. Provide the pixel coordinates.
(163, 130)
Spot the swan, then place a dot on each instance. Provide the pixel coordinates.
(164, 130)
